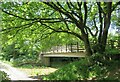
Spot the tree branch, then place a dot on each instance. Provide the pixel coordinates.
(63, 31)
(48, 19)
(73, 12)
(80, 13)
(101, 23)
(18, 16)
(44, 36)
(100, 8)
(52, 5)
(95, 27)
(61, 7)
(94, 35)
(114, 6)
(65, 22)
(18, 30)
(73, 6)
(11, 28)
(85, 16)
(55, 21)
(79, 24)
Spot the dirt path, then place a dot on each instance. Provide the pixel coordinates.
(14, 74)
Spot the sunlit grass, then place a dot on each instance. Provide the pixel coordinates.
(38, 70)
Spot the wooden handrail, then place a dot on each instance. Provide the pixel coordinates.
(65, 48)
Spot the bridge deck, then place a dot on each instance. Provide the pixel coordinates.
(45, 58)
(77, 54)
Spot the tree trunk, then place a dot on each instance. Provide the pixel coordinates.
(87, 45)
(107, 19)
(104, 41)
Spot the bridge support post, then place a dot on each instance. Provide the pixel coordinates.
(46, 61)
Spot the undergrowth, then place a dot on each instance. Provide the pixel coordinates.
(97, 67)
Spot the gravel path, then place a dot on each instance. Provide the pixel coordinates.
(14, 74)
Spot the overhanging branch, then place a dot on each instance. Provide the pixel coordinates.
(17, 31)
(63, 31)
(55, 7)
(42, 19)
(11, 28)
(18, 16)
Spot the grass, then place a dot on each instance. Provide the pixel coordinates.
(88, 69)
(36, 71)
(41, 70)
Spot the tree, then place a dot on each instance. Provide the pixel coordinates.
(47, 18)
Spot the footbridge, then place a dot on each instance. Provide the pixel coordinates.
(62, 51)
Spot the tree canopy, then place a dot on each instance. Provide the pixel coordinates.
(53, 22)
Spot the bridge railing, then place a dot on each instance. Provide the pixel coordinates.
(66, 48)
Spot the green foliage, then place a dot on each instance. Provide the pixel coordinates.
(95, 67)
(112, 51)
(19, 52)
(26, 61)
(43, 26)
(73, 71)
(9, 52)
(3, 76)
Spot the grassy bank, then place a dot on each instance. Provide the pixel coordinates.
(98, 67)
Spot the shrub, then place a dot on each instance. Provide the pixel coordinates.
(3, 76)
(78, 70)
(25, 61)
(112, 51)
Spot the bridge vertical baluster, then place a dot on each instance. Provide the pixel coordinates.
(57, 47)
(77, 47)
(66, 47)
(61, 48)
(71, 47)
(53, 50)
(50, 50)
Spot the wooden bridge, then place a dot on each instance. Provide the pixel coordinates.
(62, 51)
(70, 51)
